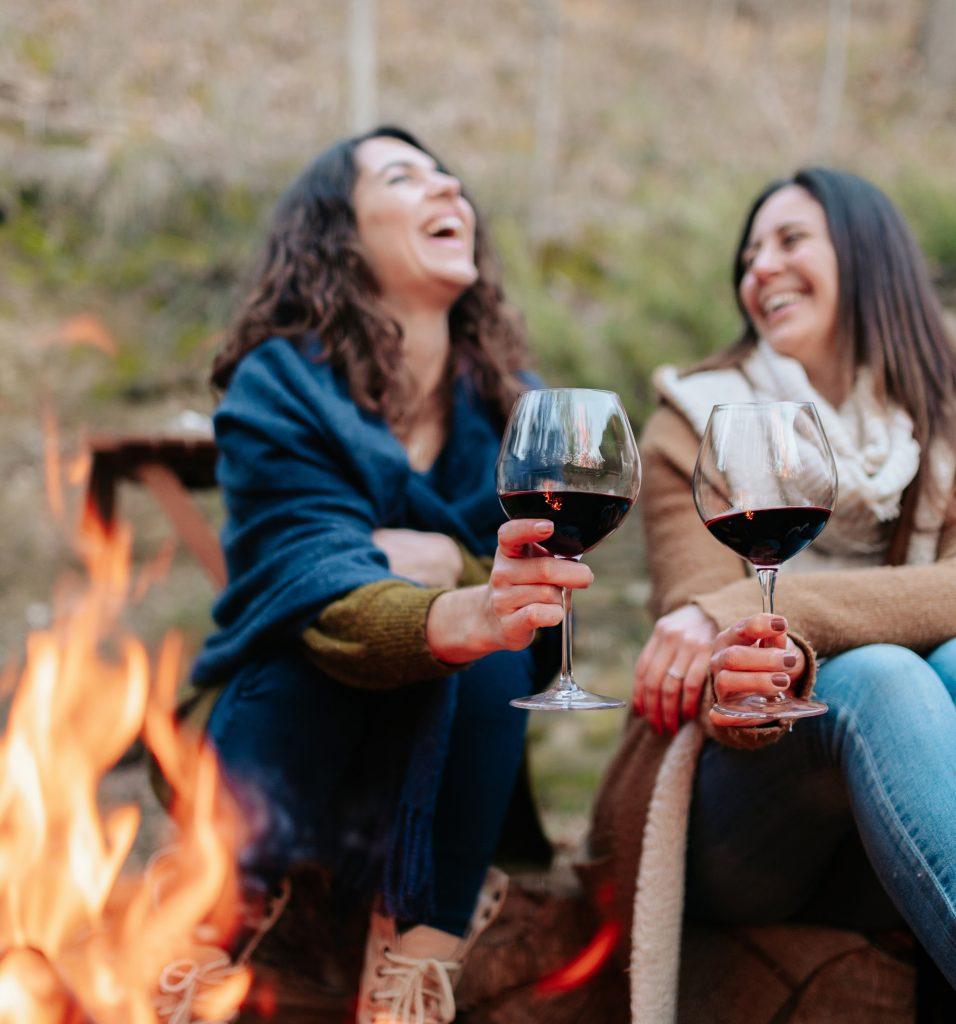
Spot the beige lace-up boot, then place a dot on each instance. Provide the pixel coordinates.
(410, 978)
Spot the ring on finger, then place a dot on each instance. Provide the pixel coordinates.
(674, 674)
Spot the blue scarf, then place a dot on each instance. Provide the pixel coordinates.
(306, 477)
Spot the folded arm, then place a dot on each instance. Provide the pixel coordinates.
(391, 633)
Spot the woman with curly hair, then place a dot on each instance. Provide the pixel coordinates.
(378, 616)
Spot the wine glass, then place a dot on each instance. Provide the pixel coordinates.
(568, 455)
(764, 485)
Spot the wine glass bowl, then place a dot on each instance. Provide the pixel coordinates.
(764, 485)
(568, 455)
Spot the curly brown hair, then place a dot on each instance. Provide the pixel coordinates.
(312, 281)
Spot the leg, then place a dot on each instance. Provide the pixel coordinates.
(765, 824)
(764, 828)
(306, 800)
(484, 756)
(263, 728)
(894, 735)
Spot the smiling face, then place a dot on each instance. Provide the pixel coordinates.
(416, 229)
(790, 284)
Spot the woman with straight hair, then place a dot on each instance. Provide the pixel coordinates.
(837, 309)
(379, 613)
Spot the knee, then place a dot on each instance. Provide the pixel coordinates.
(879, 672)
(944, 657)
(943, 662)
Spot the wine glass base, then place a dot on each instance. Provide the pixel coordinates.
(769, 709)
(574, 699)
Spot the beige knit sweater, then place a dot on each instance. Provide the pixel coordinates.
(640, 816)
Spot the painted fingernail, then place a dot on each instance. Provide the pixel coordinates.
(779, 679)
(543, 526)
(778, 624)
(789, 660)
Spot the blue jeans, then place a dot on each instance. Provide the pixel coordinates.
(766, 825)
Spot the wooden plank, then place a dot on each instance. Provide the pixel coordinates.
(188, 521)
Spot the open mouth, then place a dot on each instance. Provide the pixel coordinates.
(447, 228)
(782, 300)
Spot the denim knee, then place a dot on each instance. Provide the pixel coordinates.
(885, 674)
(943, 662)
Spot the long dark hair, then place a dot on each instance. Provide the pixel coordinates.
(888, 308)
(313, 282)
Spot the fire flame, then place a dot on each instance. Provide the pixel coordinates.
(587, 964)
(78, 939)
(583, 967)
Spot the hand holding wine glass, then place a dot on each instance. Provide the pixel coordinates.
(754, 656)
(522, 595)
(568, 456)
(764, 485)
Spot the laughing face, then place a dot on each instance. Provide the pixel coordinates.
(790, 285)
(416, 229)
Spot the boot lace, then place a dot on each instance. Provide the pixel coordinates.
(419, 990)
(183, 981)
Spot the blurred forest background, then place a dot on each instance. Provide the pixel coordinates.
(613, 144)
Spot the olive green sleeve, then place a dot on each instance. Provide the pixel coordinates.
(474, 570)
(374, 637)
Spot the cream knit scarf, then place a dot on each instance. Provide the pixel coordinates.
(873, 445)
(876, 458)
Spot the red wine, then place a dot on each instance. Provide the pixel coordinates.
(581, 518)
(768, 536)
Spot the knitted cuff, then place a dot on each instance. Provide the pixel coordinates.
(730, 604)
(474, 570)
(374, 637)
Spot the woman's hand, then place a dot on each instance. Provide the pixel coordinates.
(672, 669)
(740, 667)
(432, 559)
(522, 595)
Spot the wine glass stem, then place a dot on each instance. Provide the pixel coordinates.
(566, 681)
(768, 579)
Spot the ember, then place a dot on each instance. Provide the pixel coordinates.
(585, 965)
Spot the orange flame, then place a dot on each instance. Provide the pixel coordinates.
(585, 965)
(79, 937)
(78, 468)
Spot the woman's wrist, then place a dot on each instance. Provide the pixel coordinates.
(456, 629)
